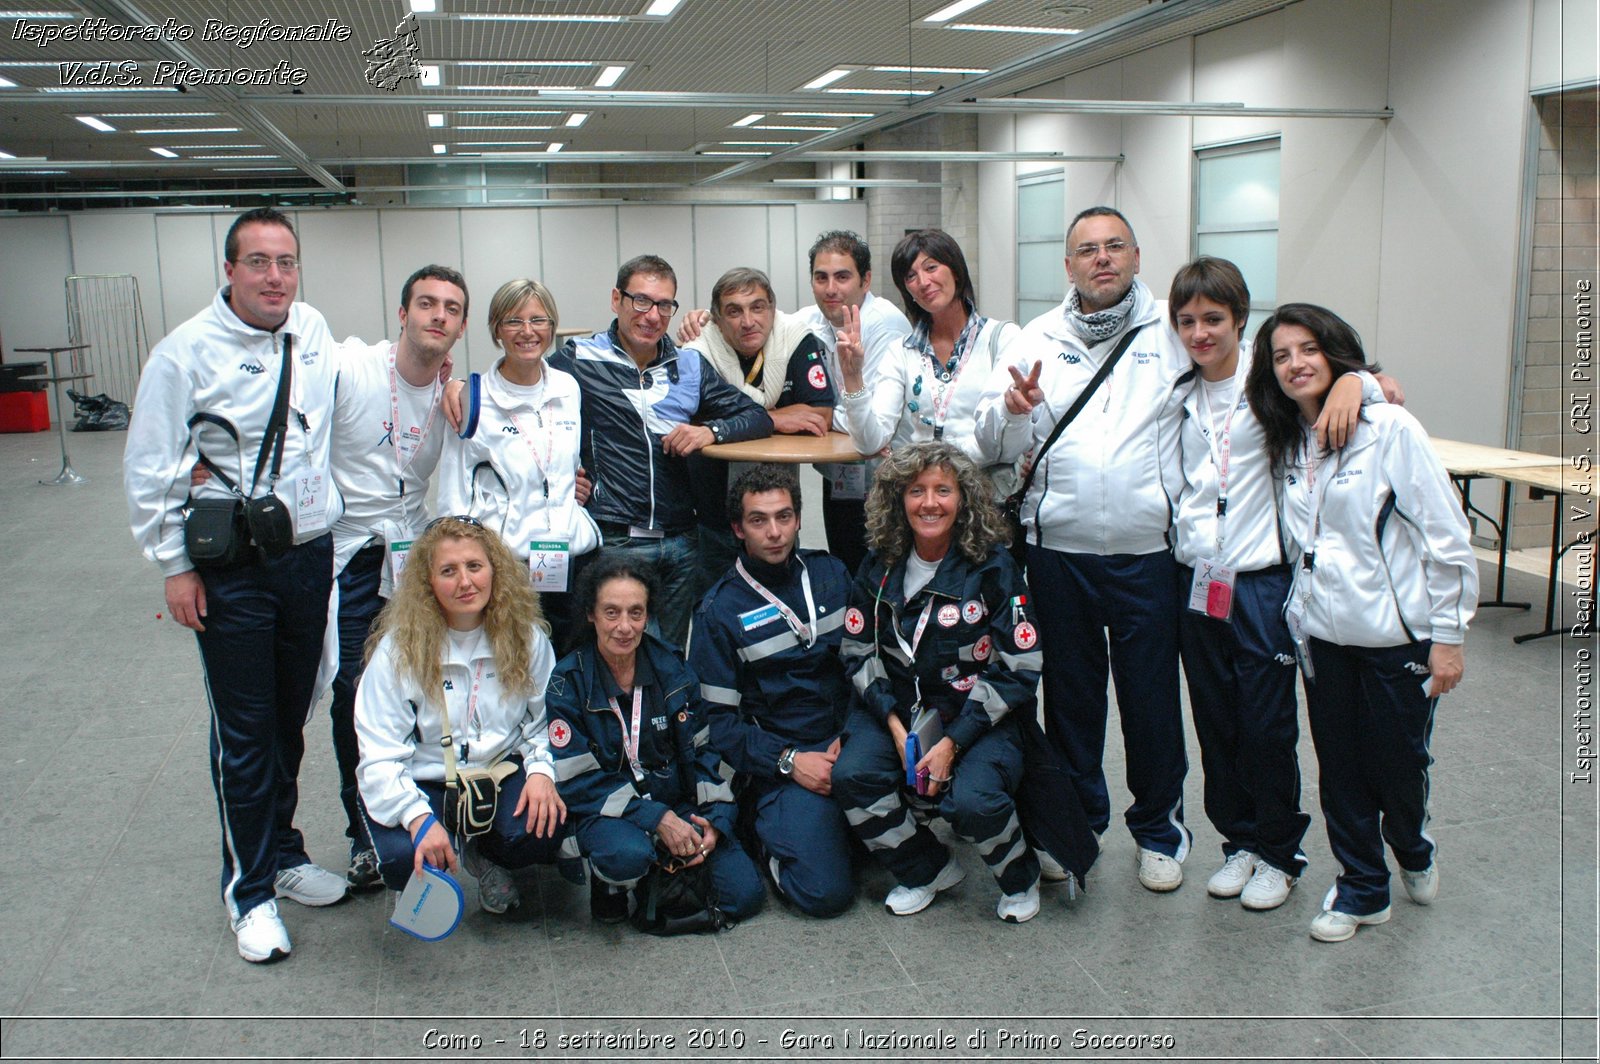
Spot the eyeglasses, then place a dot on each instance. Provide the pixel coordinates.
(642, 304)
(516, 324)
(1089, 252)
(466, 519)
(261, 263)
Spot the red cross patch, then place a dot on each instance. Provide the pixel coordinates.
(817, 378)
(853, 621)
(1025, 636)
(964, 684)
(981, 649)
(560, 733)
(972, 611)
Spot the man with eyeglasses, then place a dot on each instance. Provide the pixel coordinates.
(1096, 520)
(211, 388)
(774, 359)
(646, 407)
(388, 433)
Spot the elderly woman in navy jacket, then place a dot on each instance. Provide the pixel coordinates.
(939, 642)
(632, 750)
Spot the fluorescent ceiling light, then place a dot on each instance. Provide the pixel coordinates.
(424, 7)
(929, 70)
(7, 83)
(885, 92)
(504, 111)
(661, 8)
(542, 18)
(519, 88)
(190, 129)
(480, 129)
(94, 123)
(762, 154)
(827, 79)
(609, 76)
(758, 143)
(163, 114)
(521, 62)
(435, 120)
(165, 153)
(748, 119)
(576, 119)
(430, 75)
(775, 128)
(497, 143)
(6, 155)
(36, 14)
(223, 147)
(254, 169)
(440, 149)
(988, 28)
(88, 89)
(233, 158)
(824, 114)
(950, 11)
(555, 147)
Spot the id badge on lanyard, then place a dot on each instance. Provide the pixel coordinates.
(848, 480)
(310, 500)
(550, 564)
(397, 551)
(805, 631)
(1212, 590)
(630, 738)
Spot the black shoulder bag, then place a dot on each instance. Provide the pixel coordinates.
(1013, 503)
(219, 533)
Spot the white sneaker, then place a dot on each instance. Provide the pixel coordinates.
(905, 901)
(1158, 872)
(1050, 869)
(262, 937)
(1422, 886)
(1230, 879)
(310, 885)
(1268, 888)
(1019, 908)
(1335, 926)
(496, 890)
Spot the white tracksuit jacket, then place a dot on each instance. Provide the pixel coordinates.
(389, 706)
(214, 363)
(1366, 589)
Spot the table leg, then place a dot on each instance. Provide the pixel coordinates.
(1557, 550)
(68, 475)
(1464, 487)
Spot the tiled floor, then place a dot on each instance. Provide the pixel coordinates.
(114, 943)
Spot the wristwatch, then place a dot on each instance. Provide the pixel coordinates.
(786, 762)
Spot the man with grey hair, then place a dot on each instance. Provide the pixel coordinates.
(773, 358)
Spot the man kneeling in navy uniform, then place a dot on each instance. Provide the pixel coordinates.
(766, 649)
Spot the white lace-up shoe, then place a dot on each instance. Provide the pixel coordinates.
(1050, 869)
(262, 937)
(1019, 908)
(1158, 872)
(310, 885)
(1422, 886)
(905, 901)
(1335, 926)
(1230, 879)
(1268, 888)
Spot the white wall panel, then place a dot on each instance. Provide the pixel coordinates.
(811, 220)
(580, 262)
(1154, 183)
(411, 239)
(189, 255)
(498, 246)
(784, 267)
(725, 237)
(1564, 52)
(120, 242)
(342, 272)
(651, 229)
(33, 273)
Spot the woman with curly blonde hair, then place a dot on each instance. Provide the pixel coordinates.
(456, 644)
(941, 648)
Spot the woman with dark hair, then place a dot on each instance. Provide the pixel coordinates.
(517, 469)
(1385, 582)
(942, 651)
(928, 389)
(632, 751)
(459, 651)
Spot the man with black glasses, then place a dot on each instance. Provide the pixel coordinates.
(646, 407)
(247, 386)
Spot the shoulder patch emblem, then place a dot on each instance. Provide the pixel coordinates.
(683, 716)
(964, 684)
(950, 672)
(948, 616)
(972, 611)
(1025, 636)
(853, 621)
(982, 648)
(816, 378)
(560, 734)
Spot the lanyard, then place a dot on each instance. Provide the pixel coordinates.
(630, 739)
(447, 740)
(403, 455)
(752, 376)
(1308, 548)
(944, 381)
(805, 631)
(543, 465)
(910, 650)
(1221, 446)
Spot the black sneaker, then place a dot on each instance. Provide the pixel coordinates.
(607, 904)
(363, 875)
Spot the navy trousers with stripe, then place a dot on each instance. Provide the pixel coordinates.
(807, 835)
(264, 625)
(869, 781)
(1079, 600)
(359, 605)
(1241, 694)
(1371, 724)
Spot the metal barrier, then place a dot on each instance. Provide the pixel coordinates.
(104, 311)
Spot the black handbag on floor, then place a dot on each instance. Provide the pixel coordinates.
(680, 902)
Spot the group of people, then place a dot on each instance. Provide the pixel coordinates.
(1182, 492)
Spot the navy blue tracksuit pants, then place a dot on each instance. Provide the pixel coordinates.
(359, 604)
(1080, 599)
(263, 640)
(1241, 694)
(869, 781)
(806, 835)
(1371, 724)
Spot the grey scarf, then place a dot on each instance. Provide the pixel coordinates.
(1101, 325)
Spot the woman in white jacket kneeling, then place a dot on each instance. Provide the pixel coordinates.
(1385, 582)
(462, 647)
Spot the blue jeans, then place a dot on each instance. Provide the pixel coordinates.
(674, 558)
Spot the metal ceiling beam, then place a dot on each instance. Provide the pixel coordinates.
(128, 13)
(362, 190)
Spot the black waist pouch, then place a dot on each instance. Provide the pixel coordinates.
(216, 534)
(268, 520)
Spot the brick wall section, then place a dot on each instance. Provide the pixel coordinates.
(893, 211)
(1564, 251)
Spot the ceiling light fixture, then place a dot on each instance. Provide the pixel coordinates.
(555, 147)
(983, 27)
(521, 62)
(234, 158)
(497, 143)
(6, 155)
(609, 76)
(542, 18)
(150, 114)
(430, 76)
(576, 119)
(435, 120)
(254, 169)
(85, 90)
(36, 14)
(94, 123)
(189, 129)
(661, 8)
(748, 120)
(884, 92)
(223, 147)
(440, 149)
(929, 70)
(424, 7)
(165, 153)
(759, 143)
(827, 79)
(519, 88)
(7, 83)
(506, 111)
(950, 11)
(774, 127)
(824, 114)
(509, 128)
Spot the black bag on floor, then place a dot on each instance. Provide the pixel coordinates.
(98, 413)
(681, 902)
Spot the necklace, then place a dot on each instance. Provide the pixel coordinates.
(944, 377)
